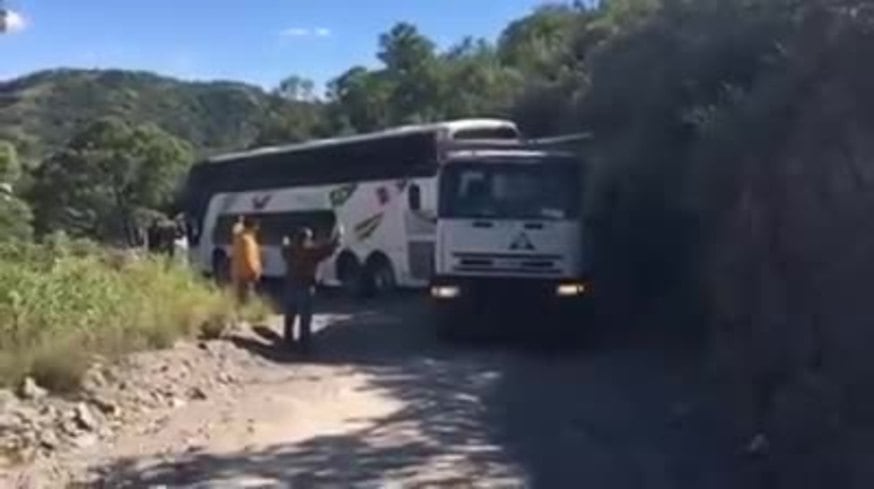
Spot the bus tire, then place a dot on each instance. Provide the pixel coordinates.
(379, 276)
(351, 275)
(221, 268)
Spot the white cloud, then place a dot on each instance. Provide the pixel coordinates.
(295, 32)
(305, 32)
(11, 21)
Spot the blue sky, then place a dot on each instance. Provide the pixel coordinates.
(258, 41)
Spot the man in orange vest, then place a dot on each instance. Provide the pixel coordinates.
(246, 265)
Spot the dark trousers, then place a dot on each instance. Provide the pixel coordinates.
(298, 302)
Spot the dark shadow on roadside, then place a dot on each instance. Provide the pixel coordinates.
(267, 334)
(551, 416)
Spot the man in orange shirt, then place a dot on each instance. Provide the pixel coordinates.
(245, 259)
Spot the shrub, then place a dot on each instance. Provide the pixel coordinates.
(63, 303)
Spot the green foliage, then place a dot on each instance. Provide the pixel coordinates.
(534, 44)
(289, 121)
(296, 88)
(10, 166)
(696, 60)
(106, 177)
(359, 100)
(474, 82)
(406, 90)
(418, 84)
(42, 111)
(63, 303)
(15, 219)
(15, 214)
(405, 51)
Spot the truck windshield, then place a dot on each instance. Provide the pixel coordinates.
(496, 190)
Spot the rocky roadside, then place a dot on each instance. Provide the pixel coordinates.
(38, 430)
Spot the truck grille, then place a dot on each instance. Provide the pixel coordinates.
(528, 264)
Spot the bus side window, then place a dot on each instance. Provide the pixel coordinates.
(415, 197)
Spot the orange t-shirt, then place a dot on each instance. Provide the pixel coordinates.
(246, 257)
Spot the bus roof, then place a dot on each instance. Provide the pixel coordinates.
(451, 127)
(398, 153)
(520, 154)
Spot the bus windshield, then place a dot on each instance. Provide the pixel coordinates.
(496, 190)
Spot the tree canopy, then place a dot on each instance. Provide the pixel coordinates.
(107, 178)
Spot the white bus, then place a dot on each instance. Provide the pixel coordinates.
(381, 188)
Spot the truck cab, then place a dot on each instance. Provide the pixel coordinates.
(509, 232)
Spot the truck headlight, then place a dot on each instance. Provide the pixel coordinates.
(571, 289)
(445, 291)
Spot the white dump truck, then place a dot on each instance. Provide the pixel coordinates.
(509, 232)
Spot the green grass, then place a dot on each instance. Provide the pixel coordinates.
(63, 305)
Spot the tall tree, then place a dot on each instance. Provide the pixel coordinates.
(360, 100)
(404, 50)
(296, 88)
(473, 81)
(535, 43)
(547, 50)
(107, 177)
(411, 65)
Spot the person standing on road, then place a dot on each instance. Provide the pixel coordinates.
(153, 236)
(302, 256)
(180, 242)
(245, 259)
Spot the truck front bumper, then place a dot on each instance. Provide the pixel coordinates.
(507, 293)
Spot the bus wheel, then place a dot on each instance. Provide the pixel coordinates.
(221, 268)
(350, 274)
(380, 276)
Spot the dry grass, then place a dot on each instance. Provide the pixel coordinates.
(63, 306)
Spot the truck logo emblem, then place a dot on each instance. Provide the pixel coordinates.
(260, 203)
(522, 243)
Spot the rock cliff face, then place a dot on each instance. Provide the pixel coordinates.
(793, 263)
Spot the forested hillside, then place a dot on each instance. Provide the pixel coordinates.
(42, 111)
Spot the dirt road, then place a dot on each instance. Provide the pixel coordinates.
(384, 404)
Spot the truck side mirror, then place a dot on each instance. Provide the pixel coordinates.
(414, 196)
